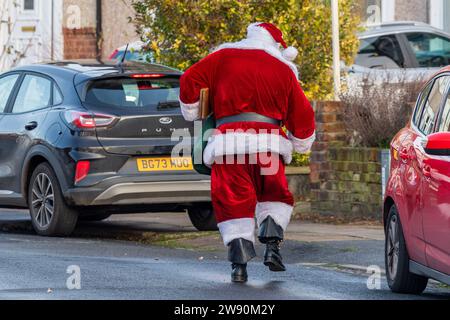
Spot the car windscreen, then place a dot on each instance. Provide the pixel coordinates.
(148, 94)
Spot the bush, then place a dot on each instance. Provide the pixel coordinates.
(376, 110)
(180, 33)
(300, 160)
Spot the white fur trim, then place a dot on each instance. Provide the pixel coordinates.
(191, 112)
(260, 44)
(290, 53)
(302, 145)
(239, 143)
(279, 211)
(237, 229)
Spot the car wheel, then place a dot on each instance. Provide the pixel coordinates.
(400, 279)
(95, 217)
(203, 218)
(50, 215)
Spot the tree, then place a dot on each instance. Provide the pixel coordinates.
(181, 33)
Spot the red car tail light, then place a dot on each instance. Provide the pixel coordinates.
(82, 170)
(84, 120)
(147, 76)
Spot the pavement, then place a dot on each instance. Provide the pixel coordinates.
(161, 256)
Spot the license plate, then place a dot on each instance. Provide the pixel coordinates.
(164, 164)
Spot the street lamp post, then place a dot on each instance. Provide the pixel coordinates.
(336, 48)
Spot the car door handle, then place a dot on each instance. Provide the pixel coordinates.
(427, 171)
(31, 126)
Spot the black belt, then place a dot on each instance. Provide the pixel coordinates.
(247, 117)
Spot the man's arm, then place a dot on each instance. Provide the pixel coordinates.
(300, 120)
(195, 79)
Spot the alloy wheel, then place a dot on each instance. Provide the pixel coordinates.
(43, 200)
(393, 247)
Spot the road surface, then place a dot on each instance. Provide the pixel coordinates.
(162, 257)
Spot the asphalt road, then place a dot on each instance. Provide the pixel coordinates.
(32, 267)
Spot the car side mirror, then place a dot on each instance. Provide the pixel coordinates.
(438, 144)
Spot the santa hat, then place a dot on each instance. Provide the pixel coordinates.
(268, 32)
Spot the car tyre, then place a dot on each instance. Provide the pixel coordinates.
(398, 274)
(50, 215)
(203, 218)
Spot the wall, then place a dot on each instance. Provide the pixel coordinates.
(117, 30)
(80, 36)
(351, 188)
(434, 12)
(416, 10)
(79, 29)
(298, 179)
(345, 182)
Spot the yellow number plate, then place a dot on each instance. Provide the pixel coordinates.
(164, 164)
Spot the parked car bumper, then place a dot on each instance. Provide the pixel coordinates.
(126, 192)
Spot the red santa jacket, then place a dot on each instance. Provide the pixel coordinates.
(249, 76)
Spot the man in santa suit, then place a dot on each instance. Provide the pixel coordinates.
(254, 92)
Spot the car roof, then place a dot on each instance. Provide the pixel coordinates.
(400, 27)
(90, 69)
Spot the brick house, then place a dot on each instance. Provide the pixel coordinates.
(63, 29)
(105, 28)
(433, 12)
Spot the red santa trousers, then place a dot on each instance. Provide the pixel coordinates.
(249, 185)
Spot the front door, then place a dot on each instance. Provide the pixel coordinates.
(33, 32)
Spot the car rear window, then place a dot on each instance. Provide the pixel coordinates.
(130, 93)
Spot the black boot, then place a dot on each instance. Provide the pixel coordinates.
(272, 235)
(240, 252)
(239, 273)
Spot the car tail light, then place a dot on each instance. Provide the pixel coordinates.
(147, 76)
(84, 120)
(82, 170)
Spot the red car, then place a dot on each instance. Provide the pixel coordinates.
(417, 204)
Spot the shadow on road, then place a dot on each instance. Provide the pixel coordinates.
(18, 221)
(166, 229)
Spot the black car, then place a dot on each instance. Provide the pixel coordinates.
(82, 141)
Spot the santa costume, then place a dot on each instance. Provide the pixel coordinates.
(254, 92)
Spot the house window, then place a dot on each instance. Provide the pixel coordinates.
(28, 5)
